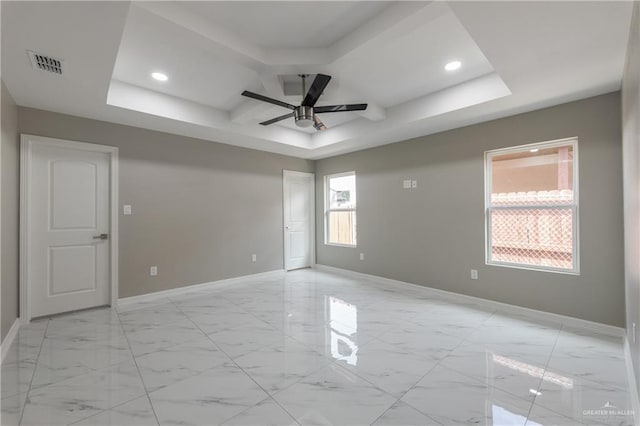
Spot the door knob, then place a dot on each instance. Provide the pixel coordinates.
(101, 237)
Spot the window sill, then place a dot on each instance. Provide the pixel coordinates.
(534, 268)
(341, 245)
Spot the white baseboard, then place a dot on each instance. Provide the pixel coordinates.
(9, 338)
(503, 307)
(195, 287)
(633, 384)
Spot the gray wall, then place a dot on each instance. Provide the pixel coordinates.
(10, 169)
(631, 166)
(429, 237)
(200, 209)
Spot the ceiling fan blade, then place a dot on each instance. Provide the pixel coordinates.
(340, 108)
(316, 89)
(318, 124)
(275, 120)
(266, 99)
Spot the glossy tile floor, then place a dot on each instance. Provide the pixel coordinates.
(310, 347)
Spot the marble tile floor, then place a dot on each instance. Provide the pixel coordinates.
(311, 348)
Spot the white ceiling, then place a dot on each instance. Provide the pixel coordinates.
(516, 56)
(149, 43)
(288, 24)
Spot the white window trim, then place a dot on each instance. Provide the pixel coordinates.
(327, 209)
(488, 184)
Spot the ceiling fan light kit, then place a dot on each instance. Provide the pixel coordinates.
(305, 114)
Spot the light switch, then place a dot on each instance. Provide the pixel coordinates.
(126, 209)
(406, 184)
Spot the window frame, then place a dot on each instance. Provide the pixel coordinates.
(488, 185)
(328, 209)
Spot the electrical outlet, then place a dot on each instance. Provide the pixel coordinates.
(474, 274)
(126, 209)
(153, 271)
(361, 256)
(414, 183)
(254, 258)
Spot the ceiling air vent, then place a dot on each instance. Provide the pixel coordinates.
(46, 63)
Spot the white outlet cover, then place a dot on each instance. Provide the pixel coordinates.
(414, 183)
(126, 209)
(153, 271)
(361, 256)
(474, 274)
(406, 184)
(254, 257)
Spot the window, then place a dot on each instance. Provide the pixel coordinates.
(340, 209)
(532, 206)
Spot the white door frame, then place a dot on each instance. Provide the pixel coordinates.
(312, 215)
(27, 142)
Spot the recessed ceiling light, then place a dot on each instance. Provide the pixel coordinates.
(159, 76)
(534, 150)
(453, 65)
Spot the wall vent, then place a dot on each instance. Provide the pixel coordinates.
(46, 63)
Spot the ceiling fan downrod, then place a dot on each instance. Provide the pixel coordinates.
(303, 115)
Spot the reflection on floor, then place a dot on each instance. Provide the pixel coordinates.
(310, 347)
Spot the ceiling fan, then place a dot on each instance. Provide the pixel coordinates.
(305, 113)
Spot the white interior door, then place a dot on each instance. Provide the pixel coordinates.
(299, 216)
(68, 242)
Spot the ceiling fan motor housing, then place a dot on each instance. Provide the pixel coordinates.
(303, 116)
